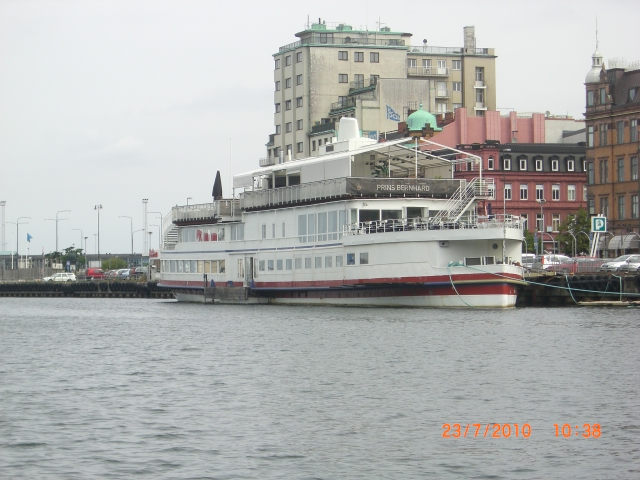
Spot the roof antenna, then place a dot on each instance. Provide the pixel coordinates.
(596, 33)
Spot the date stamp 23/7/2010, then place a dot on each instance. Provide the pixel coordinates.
(515, 430)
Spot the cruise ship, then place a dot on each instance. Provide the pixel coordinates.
(365, 223)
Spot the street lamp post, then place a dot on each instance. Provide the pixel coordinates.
(131, 220)
(575, 242)
(57, 220)
(17, 223)
(541, 201)
(97, 208)
(156, 225)
(161, 229)
(189, 198)
(85, 253)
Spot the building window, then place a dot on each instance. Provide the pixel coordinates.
(299, 124)
(555, 222)
(412, 62)
(456, 64)
(343, 78)
(506, 163)
(523, 164)
(298, 57)
(589, 136)
(287, 60)
(584, 193)
(456, 105)
(358, 57)
(571, 192)
(590, 98)
(602, 134)
(604, 171)
(277, 64)
(632, 94)
(287, 105)
(298, 102)
(633, 130)
(619, 132)
(539, 222)
(490, 163)
(491, 191)
(539, 192)
(277, 108)
(592, 206)
(299, 79)
(278, 86)
(300, 147)
(479, 74)
(342, 100)
(313, 146)
(524, 192)
(287, 82)
(358, 78)
(343, 55)
(457, 86)
(555, 192)
(603, 96)
(591, 176)
(604, 206)
(621, 169)
(525, 221)
(287, 127)
(634, 206)
(621, 207)
(277, 129)
(554, 165)
(538, 164)
(570, 165)
(634, 168)
(289, 149)
(364, 258)
(507, 191)
(374, 57)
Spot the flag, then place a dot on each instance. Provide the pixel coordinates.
(29, 237)
(391, 115)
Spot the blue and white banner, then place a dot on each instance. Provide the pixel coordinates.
(29, 237)
(391, 115)
(372, 134)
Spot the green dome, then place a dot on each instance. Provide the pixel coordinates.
(418, 119)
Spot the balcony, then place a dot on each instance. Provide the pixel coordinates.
(480, 106)
(271, 140)
(443, 94)
(267, 161)
(363, 85)
(479, 84)
(348, 104)
(427, 72)
(332, 39)
(323, 128)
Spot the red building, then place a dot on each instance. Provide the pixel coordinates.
(537, 163)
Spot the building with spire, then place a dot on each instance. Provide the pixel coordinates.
(613, 147)
(376, 76)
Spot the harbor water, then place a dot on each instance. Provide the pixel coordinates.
(129, 388)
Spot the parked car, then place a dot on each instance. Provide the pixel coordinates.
(110, 274)
(95, 273)
(60, 277)
(612, 265)
(578, 265)
(123, 274)
(630, 265)
(549, 262)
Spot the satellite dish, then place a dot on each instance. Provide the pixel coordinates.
(424, 41)
(547, 113)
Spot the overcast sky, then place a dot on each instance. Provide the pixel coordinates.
(110, 102)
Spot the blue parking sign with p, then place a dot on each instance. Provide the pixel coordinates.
(598, 224)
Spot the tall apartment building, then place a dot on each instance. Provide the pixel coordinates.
(334, 71)
(613, 148)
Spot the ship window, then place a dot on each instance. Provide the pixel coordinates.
(222, 268)
(207, 266)
(270, 265)
(214, 266)
(333, 225)
(283, 229)
(194, 266)
(302, 228)
(414, 212)
(307, 262)
(369, 215)
(264, 231)
(261, 265)
(351, 258)
(318, 262)
(339, 260)
(279, 264)
(311, 226)
(328, 261)
(240, 268)
(186, 266)
(298, 263)
(342, 221)
(391, 214)
(172, 266)
(364, 258)
(288, 264)
(200, 266)
(322, 227)
(273, 230)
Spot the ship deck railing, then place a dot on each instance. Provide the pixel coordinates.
(416, 224)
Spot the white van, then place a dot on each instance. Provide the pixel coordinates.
(527, 260)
